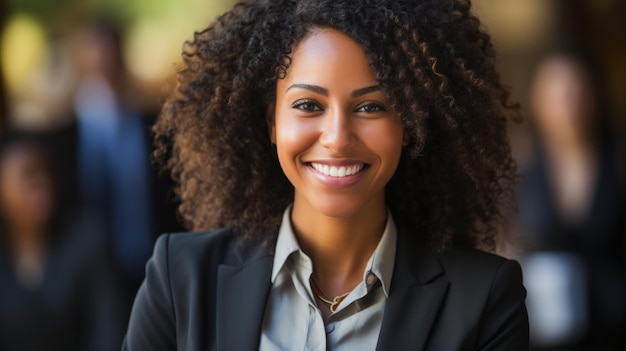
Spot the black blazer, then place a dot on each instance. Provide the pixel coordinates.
(64, 143)
(207, 292)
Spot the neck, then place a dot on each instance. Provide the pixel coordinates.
(28, 248)
(339, 247)
(569, 145)
(23, 237)
(564, 155)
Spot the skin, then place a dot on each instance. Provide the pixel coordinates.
(26, 200)
(330, 112)
(25, 189)
(563, 104)
(562, 101)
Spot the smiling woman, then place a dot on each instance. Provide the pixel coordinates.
(358, 230)
(330, 118)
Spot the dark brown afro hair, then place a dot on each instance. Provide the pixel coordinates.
(430, 57)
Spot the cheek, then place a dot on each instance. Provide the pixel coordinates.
(293, 137)
(15, 196)
(385, 139)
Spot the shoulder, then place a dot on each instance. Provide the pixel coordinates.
(472, 261)
(475, 270)
(485, 301)
(192, 251)
(181, 277)
(194, 244)
(196, 249)
(465, 269)
(493, 283)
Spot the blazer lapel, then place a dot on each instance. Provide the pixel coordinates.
(414, 299)
(241, 298)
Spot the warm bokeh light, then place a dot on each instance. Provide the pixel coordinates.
(516, 24)
(39, 49)
(153, 42)
(23, 49)
(149, 53)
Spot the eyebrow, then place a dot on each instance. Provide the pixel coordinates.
(313, 88)
(323, 91)
(363, 91)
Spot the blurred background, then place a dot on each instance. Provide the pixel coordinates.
(81, 81)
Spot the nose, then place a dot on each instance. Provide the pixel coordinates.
(338, 132)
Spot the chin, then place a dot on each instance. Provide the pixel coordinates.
(338, 208)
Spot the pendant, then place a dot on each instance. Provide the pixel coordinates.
(336, 301)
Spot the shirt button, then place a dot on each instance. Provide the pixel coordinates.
(330, 328)
(371, 278)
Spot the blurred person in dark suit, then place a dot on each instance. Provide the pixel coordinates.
(572, 210)
(106, 154)
(58, 291)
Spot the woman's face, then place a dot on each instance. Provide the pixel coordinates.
(26, 194)
(338, 141)
(562, 99)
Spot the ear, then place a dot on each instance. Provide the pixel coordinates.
(270, 119)
(406, 138)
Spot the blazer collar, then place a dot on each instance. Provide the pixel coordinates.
(242, 292)
(417, 292)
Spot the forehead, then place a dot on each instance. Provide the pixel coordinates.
(327, 55)
(20, 155)
(561, 66)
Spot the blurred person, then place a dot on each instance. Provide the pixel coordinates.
(572, 211)
(113, 161)
(107, 155)
(57, 288)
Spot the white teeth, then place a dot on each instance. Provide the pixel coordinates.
(333, 171)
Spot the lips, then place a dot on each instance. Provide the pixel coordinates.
(337, 171)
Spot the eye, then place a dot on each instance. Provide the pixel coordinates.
(371, 107)
(306, 105)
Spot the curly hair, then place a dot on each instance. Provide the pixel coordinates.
(430, 57)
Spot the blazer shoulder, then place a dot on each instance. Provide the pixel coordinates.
(176, 306)
(480, 272)
(166, 299)
(473, 262)
(186, 250)
(485, 302)
(189, 250)
(196, 242)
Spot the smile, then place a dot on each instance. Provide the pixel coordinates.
(337, 171)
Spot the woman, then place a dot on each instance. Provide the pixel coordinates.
(572, 205)
(355, 152)
(57, 290)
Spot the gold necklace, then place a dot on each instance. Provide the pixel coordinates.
(320, 294)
